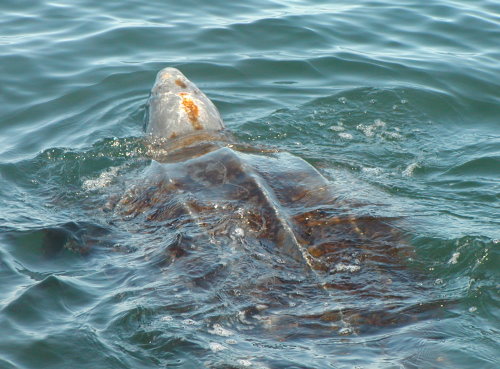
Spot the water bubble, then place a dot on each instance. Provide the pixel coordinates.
(166, 318)
(342, 100)
(472, 309)
(438, 281)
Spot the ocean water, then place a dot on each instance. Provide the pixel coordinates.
(396, 104)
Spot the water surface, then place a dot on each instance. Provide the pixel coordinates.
(396, 104)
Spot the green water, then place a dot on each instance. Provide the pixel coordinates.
(397, 104)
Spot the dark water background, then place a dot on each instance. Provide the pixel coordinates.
(396, 103)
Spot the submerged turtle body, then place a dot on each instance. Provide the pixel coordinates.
(266, 220)
(264, 228)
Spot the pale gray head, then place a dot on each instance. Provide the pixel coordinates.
(177, 107)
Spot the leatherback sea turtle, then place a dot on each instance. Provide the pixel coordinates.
(260, 226)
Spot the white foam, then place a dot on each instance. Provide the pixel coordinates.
(408, 172)
(104, 179)
(221, 331)
(338, 128)
(189, 322)
(238, 232)
(393, 135)
(454, 258)
(216, 347)
(373, 171)
(345, 331)
(244, 362)
(345, 135)
(341, 267)
(368, 131)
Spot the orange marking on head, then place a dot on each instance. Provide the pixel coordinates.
(165, 76)
(180, 83)
(192, 111)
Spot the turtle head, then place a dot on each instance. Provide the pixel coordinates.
(177, 107)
